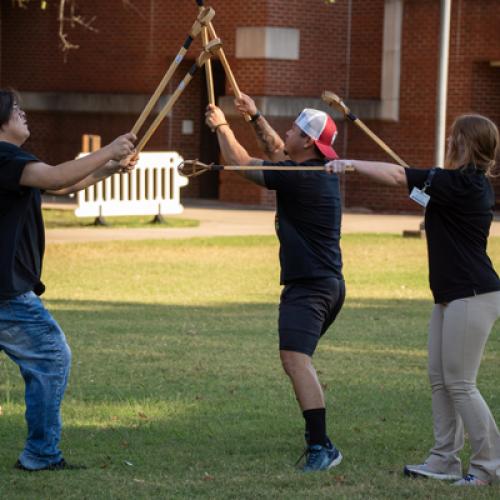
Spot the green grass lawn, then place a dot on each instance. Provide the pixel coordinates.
(177, 391)
(55, 218)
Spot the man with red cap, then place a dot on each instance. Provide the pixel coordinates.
(308, 226)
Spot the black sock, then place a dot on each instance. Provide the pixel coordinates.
(316, 425)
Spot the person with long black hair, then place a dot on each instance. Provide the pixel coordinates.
(29, 335)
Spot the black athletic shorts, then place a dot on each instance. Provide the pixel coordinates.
(306, 311)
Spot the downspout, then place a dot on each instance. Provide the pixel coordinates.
(442, 95)
(345, 128)
(347, 72)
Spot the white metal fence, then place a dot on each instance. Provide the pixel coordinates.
(152, 188)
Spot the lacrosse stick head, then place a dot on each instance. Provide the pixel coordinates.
(335, 101)
(213, 46)
(192, 168)
(205, 17)
(208, 51)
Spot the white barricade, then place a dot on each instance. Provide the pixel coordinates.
(152, 188)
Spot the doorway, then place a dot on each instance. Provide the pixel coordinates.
(209, 146)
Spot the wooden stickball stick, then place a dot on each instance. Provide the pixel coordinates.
(208, 68)
(336, 102)
(208, 65)
(227, 68)
(193, 168)
(205, 16)
(200, 61)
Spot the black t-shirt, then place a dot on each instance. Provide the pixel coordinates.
(22, 239)
(457, 223)
(307, 222)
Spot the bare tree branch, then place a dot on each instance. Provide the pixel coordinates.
(130, 5)
(66, 45)
(68, 15)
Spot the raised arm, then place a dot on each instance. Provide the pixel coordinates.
(70, 173)
(268, 139)
(232, 151)
(389, 174)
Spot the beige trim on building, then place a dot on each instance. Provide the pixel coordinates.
(391, 60)
(266, 42)
(86, 102)
(290, 107)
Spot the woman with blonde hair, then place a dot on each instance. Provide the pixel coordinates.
(459, 204)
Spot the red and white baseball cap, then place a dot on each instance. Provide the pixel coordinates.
(321, 128)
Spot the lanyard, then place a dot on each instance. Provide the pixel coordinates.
(428, 181)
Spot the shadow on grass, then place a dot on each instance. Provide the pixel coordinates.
(184, 394)
(136, 351)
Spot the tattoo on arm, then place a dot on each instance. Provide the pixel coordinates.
(256, 176)
(269, 141)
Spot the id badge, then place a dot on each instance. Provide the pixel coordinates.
(421, 197)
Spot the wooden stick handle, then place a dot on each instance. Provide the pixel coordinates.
(208, 68)
(262, 167)
(158, 92)
(194, 168)
(272, 167)
(227, 69)
(379, 141)
(205, 16)
(336, 102)
(225, 64)
(170, 103)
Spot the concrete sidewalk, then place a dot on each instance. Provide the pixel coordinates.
(218, 219)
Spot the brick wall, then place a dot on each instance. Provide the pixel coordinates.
(1, 37)
(131, 52)
(366, 50)
(417, 112)
(473, 86)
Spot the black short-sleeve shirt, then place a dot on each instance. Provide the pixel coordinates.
(457, 224)
(21, 226)
(308, 218)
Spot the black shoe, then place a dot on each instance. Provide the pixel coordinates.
(61, 465)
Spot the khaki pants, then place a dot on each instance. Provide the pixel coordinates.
(458, 333)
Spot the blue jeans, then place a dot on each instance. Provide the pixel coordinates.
(31, 337)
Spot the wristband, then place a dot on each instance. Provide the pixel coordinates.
(220, 125)
(256, 116)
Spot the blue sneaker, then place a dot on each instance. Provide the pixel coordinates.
(321, 458)
(329, 444)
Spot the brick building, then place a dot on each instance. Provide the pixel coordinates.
(380, 55)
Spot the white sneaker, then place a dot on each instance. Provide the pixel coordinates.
(423, 470)
(471, 480)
